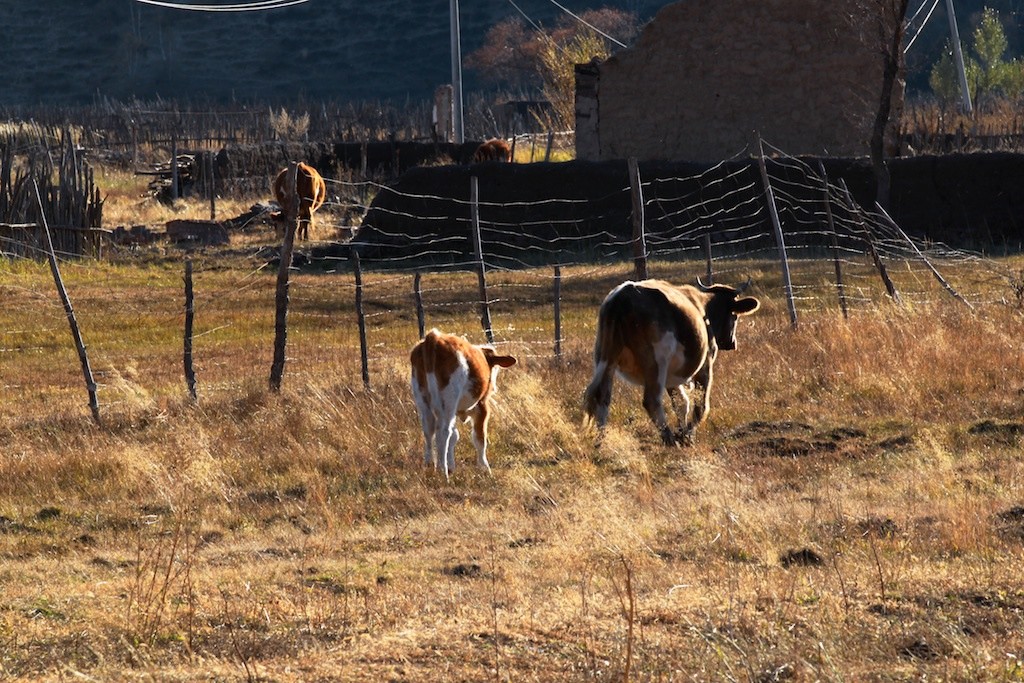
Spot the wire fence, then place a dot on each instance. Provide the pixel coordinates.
(541, 270)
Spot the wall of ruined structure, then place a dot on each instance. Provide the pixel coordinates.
(704, 74)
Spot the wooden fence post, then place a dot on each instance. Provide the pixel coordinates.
(364, 358)
(481, 273)
(83, 357)
(190, 373)
(213, 186)
(639, 239)
(866, 234)
(174, 166)
(774, 213)
(557, 294)
(283, 274)
(421, 322)
(550, 144)
(707, 258)
(835, 245)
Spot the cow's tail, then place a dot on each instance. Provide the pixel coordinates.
(607, 346)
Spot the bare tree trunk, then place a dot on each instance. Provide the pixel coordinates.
(891, 24)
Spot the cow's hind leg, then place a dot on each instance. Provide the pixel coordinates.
(428, 420)
(447, 435)
(654, 389)
(480, 416)
(700, 410)
(680, 395)
(597, 399)
(429, 423)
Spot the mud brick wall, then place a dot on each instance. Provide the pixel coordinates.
(705, 74)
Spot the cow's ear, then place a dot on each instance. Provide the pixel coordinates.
(746, 305)
(494, 359)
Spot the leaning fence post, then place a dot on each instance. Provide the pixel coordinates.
(636, 193)
(942, 281)
(855, 208)
(190, 373)
(361, 318)
(418, 296)
(481, 272)
(283, 273)
(557, 294)
(777, 225)
(90, 383)
(835, 245)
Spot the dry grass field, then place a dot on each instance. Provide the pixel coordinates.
(852, 511)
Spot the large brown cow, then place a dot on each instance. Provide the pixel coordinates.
(311, 190)
(663, 337)
(451, 377)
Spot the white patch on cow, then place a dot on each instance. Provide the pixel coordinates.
(446, 403)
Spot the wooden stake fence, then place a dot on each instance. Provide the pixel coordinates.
(636, 194)
(283, 274)
(83, 357)
(942, 281)
(364, 357)
(481, 273)
(417, 293)
(866, 234)
(709, 274)
(835, 244)
(557, 295)
(190, 373)
(779, 240)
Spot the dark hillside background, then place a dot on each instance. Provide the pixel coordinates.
(61, 52)
(69, 52)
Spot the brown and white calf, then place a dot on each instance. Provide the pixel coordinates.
(311, 190)
(453, 378)
(663, 337)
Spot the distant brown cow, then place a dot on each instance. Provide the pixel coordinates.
(494, 149)
(311, 190)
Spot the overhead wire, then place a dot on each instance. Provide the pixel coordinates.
(257, 6)
(586, 23)
(537, 27)
(924, 22)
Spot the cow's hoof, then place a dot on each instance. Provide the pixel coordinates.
(667, 437)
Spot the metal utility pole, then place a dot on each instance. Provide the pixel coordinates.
(958, 54)
(456, 74)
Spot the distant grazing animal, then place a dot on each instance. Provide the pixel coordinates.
(663, 337)
(494, 149)
(311, 190)
(451, 377)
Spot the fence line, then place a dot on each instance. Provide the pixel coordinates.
(539, 279)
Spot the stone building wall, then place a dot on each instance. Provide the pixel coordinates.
(705, 74)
